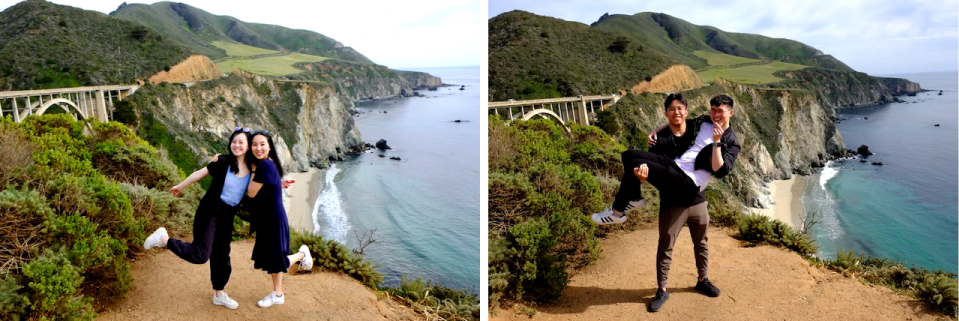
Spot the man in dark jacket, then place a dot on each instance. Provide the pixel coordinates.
(687, 154)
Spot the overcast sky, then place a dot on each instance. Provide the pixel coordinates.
(875, 37)
(398, 34)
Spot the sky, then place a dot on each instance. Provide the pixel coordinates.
(875, 37)
(397, 34)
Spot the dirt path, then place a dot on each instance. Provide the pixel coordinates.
(168, 288)
(758, 283)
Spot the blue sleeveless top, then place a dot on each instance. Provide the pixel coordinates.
(234, 188)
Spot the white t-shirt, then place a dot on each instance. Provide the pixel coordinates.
(687, 161)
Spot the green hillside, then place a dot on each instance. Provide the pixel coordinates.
(533, 56)
(754, 74)
(198, 30)
(45, 45)
(279, 65)
(659, 29)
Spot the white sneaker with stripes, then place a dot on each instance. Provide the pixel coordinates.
(607, 216)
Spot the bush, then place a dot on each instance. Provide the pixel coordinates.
(16, 152)
(759, 229)
(436, 300)
(22, 213)
(13, 302)
(53, 282)
(336, 257)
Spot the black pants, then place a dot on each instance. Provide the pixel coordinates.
(212, 233)
(675, 187)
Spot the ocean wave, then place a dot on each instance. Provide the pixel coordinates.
(329, 209)
(827, 174)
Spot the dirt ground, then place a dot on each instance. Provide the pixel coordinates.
(757, 283)
(168, 288)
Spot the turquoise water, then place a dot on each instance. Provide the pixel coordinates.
(907, 209)
(425, 208)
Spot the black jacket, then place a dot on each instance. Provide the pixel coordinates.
(671, 146)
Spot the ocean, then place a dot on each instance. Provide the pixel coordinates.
(905, 210)
(425, 208)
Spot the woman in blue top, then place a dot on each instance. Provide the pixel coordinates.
(271, 252)
(213, 222)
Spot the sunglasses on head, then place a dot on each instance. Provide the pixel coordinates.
(245, 130)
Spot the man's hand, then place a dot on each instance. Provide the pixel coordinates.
(287, 183)
(176, 190)
(652, 139)
(641, 172)
(717, 133)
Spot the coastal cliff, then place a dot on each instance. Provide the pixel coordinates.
(365, 81)
(310, 122)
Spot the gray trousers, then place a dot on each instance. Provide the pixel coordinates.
(671, 220)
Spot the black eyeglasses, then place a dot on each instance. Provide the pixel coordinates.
(245, 130)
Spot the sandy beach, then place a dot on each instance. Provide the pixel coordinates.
(300, 197)
(786, 205)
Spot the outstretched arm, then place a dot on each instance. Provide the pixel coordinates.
(196, 176)
(652, 135)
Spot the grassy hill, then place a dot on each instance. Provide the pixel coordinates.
(687, 38)
(533, 56)
(45, 45)
(202, 31)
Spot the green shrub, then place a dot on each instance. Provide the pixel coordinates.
(23, 212)
(53, 283)
(434, 299)
(940, 292)
(336, 257)
(760, 229)
(13, 302)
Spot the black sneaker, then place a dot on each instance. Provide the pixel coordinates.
(658, 300)
(707, 288)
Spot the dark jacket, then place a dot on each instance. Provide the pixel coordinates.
(730, 148)
(671, 146)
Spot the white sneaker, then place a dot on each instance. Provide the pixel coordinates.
(271, 299)
(225, 300)
(306, 264)
(634, 204)
(606, 217)
(154, 239)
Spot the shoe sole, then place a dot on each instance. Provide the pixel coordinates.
(227, 306)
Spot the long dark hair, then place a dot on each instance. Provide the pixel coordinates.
(248, 159)
(272, 155)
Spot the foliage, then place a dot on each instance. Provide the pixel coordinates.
(336, 257)
(436, 300)
(937, 288)
(534, 56)
(53, 282)
(47, 45)
(543, 184)
(87, 198)
(759, 229)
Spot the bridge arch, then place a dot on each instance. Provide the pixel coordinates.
(55, 101)
(546, 113)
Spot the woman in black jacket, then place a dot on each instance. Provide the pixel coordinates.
(213, 222)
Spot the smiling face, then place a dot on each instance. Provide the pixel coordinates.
(239, 145)
(676, 113)
(261, 148)
(720, 114)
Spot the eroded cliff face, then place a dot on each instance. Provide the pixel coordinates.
(192, 69)
(673, 79)
(310, 122)
(365, 81)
